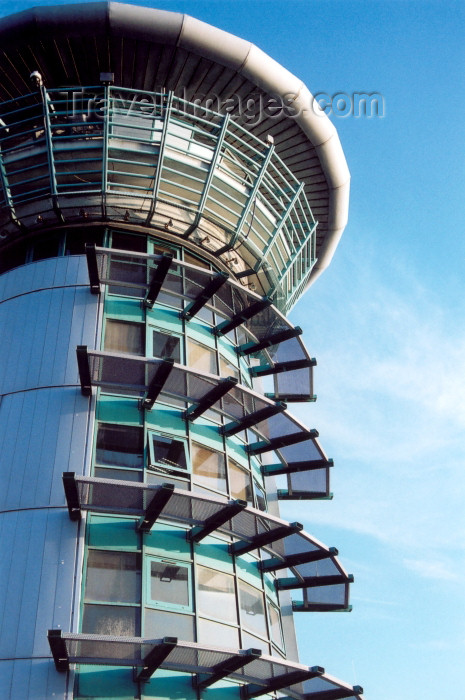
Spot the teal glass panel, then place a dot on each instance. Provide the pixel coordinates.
(102, 683)
(118, 409)
(124, 309)
(169, 685)
(168, 541)
(113, 533)
(214, 552)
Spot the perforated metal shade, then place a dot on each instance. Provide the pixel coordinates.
(194, 658)
(130, 273)
(248, 526)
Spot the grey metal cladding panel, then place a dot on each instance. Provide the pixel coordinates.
(42, 434)
(42, 331)
(34, 680)
(55, 593)
(6, 673)
(18, 532)
(53, 272)
(39, 579)
(83, 330)
(72, 427)
(7, 530)
(20, 680)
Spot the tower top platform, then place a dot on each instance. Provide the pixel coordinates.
(153, 50)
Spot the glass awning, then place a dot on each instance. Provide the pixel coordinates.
(269, 336)
(314, 567)
(258, 674)
(296, 447)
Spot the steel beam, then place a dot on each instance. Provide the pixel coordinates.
(215, 521)
(155, 658)
(155, 507)
(158, 277)
(264, 538)
(225, 668)
(210, 398)
(257, 448)
(157, 383)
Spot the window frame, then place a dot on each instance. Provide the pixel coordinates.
(153, 465)
(147, 600)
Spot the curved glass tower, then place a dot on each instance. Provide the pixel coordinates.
(167, 193)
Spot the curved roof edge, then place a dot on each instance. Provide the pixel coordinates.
(227, 50)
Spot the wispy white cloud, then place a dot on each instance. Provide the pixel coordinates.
(434, 569)
(391, 384)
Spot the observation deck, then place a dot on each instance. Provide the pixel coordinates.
(148, 118)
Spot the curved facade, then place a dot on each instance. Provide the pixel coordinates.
(151, 242)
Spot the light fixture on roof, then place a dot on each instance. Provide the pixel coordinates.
(36, 79)
(107, 78)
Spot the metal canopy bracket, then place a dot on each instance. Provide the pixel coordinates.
(257, 448)
(264, 538)
(278, 367)
(215, 521)
(292, 583)
(157, 383)
(292, 467)
(304, 606)
(59, 650)
(286, 495)
(155, 658)
(158, 277)
(252, 419)
(155, 507)
(225, 668)
(205, 295)
(72, 495)
(92, 267)
(210, 398)
(245, 315)
(277, 682)
(296, 559)
(273, 339)
(84, 370)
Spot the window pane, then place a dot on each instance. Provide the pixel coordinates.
(252, 608)
(160, 623)
(250, 642)
(113, 576)
(164, 345)
(227, 369)
(201, 358)
(128, 241)
(259, 496)
(240, 485)
(167, 452)
(112, 620)
(215, 594)
(209, 632)
(120, 474)
(208, 467)
(169, 583)
(275, 625)
(124, 336)
(120, 445)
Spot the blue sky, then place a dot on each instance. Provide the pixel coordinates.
(385, 322)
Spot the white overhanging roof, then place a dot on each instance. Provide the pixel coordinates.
(148, 48)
